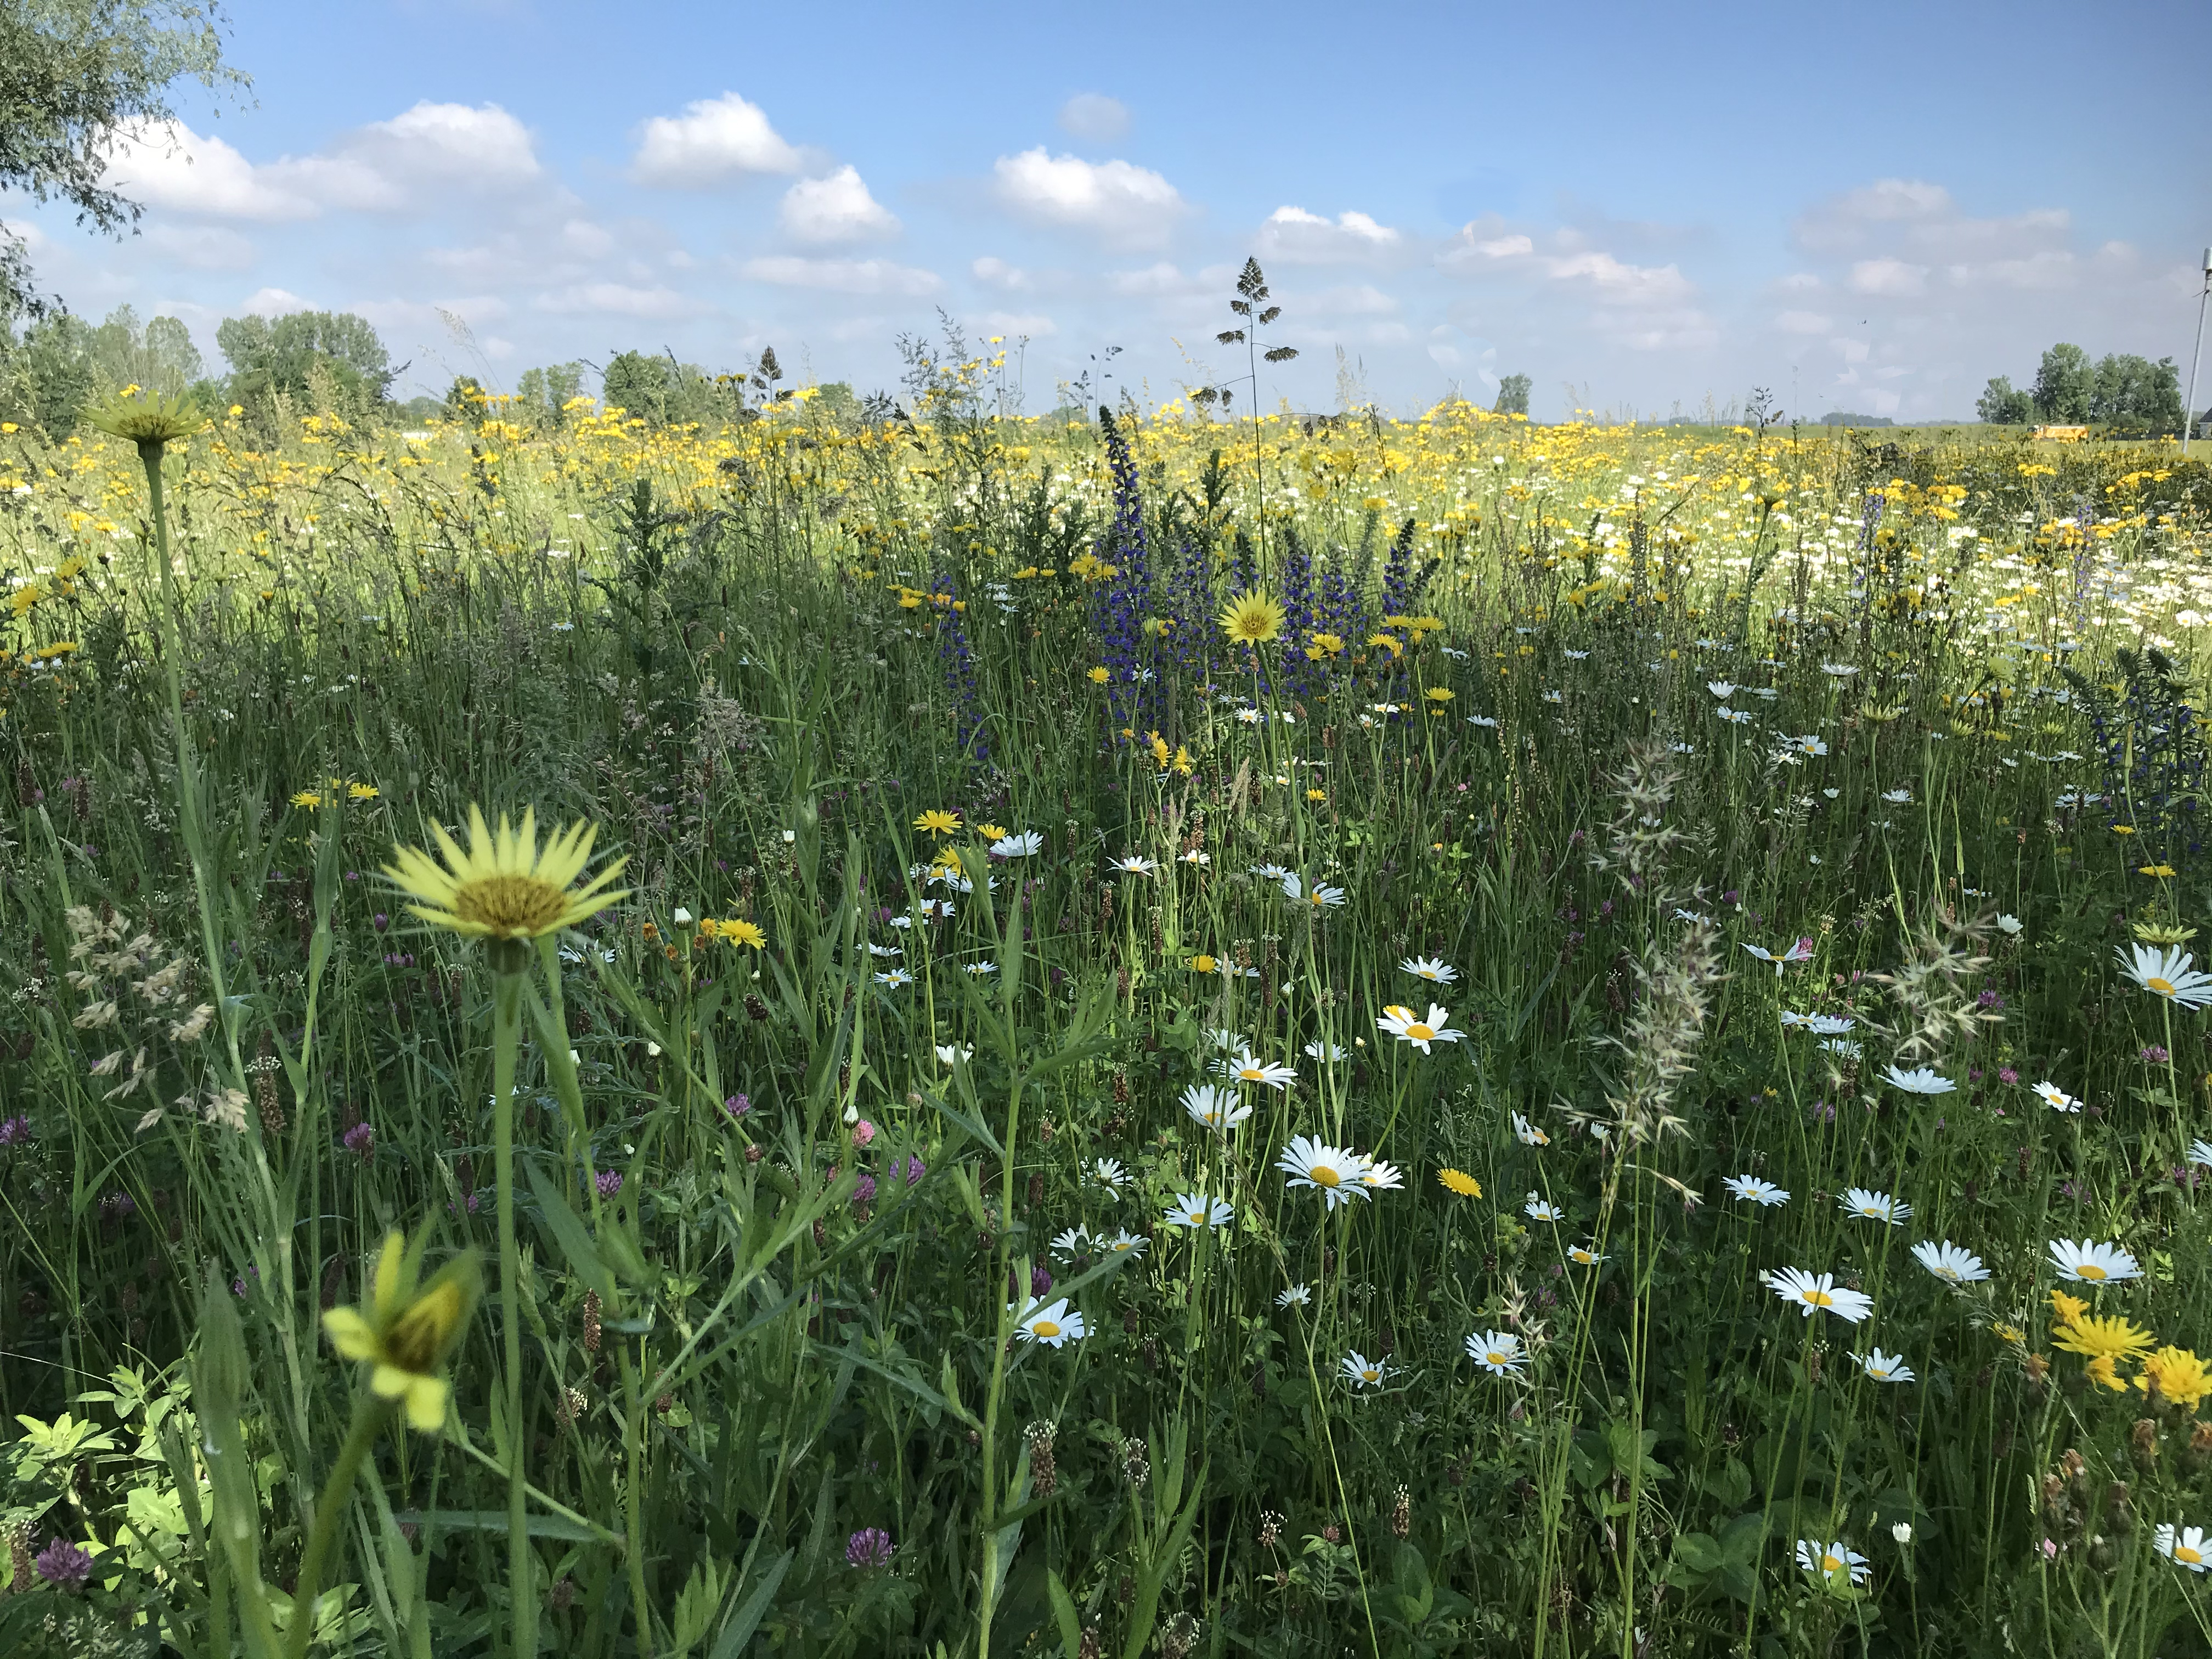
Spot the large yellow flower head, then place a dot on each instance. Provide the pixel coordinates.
(2177, 1374)
(504, 887)
(1252, 619)
(405, 1333)
(2108, 1338)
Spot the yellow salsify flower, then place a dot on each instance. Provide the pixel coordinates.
(2177, 1374)
(1460, 1183)
(939, 823)
(1251, 619)
(405, 1333)
(504, 887)
(2108, 1338)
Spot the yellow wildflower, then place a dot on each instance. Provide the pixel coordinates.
(404, 1334)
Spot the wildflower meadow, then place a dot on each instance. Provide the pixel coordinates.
(1149, 1032)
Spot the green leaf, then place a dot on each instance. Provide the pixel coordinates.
(739, 1631)
(569, 1233)
(1063, 1612)
(536, 1526)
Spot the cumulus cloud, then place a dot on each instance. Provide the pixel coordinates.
(836, 209)
(1121, 203)
(201, 247)
(998, 273)
(841, 275)
(714, 140)
(1888, 276)
(1802, 322)
(1017, 325)
(274, 303)
(1095, 117)
(1292, 235)
(416, 160)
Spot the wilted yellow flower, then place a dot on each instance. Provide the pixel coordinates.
(503, 888)
(405, 1333)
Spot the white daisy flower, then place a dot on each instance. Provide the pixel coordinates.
(1537, 1209)
(1107, 1172)
(1886, 1367)
(2167, 973)
(1134, 864)
(1434, 970)
(1498, 1352)
(1218, 1109)
(894, 978)
(2185, 1547)
(888, 949)
(950, 1053)
(1810, 1291)
(2008, 923)
(1126, 1243)
(1528, 1133)
(1321, 1048)
(1018, 846)
(1071, 1243)
(1920, 1080)
(1897, 797)
(979, 968)
(1582, 1256)
(1332, 1171)
(1196, 1210)
(1828, 1560)
(1052, 1326)
(1401, 1022)
(1765, 1192)
(2200, 1153)
(1195, 856)
(2092, 1264)
(1247, 1069)
(1799, 952)
(1874, 1206)
(1720, 689)
(1950, 1263)
(1362, 1372)
(1296, 1297)
(1378, 1176)
(2057, 1098)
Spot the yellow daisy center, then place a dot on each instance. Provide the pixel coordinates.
(1045, 1328)
(2089, 1270)
(1248, 1073)
(1830, 1564)
(1196, 1217)
(1879, 1373)
(2163, 987)
(1322, 1176)
(1418, 1032)
(1496, 1357)
(1820, 1298)
(518, 907)
(2183, 1553)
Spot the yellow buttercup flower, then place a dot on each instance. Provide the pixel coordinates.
(1251, 619)
(405, 1333)
(504, 887)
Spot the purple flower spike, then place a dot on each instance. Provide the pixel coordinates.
(64, 1565)
(870, 1546)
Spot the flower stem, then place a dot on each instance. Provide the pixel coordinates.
(368, 1417)
(506, 1022)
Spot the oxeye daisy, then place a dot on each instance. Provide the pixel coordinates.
(895, 978)
(1126, 1243)
(2057, 1098)
(1949, 1263)
(1133, 864)
(1498, 1352)
(1528, 1133)
(1247, 1069)
(1071, 1243)
(1217, 1108)
(1333, 1171)
(1107, 1172)
(1402, 1022)
(1362, 1372)
(951, 1053)
(1756, 1190)
(1539, 1209)
(1918, 1081)
(1812, 1292)
(2092, 1264)
(1296, 1297)
(1434, 970)
(1831, 1560)
(1582, 1256)
(1886, 1367)
(2185, 1547)
(2200, 1153)
(2167, 973)
(1196, 1210)
(1377, 1175)
(504, 888)
(1052, 1325)
(1017, 847)
(1874, 1206)
(1321, 1048)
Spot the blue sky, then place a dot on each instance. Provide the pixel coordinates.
(1871, 207)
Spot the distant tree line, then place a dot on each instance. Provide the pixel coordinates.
(2131, 396)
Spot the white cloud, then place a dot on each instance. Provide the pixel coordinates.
(201, 247)
(713, 139)
(836, 209)
(417, 159)
(998, 273)
(1484, 239)
(1891, 277)
(1622, 283)
(587, 241)
(1802, 322)
(274, 303)
(1122, 205)
(1094, 116)
(1160, 281)
(23, 231)
(841, 275)
(1364, 300)
(1292, 233)
(620, 300)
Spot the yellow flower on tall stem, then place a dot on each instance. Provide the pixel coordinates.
(504, 887)
(405, 1333)
(1252, 619)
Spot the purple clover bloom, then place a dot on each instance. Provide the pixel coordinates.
(737, 1104)
(870, 1546)
(1040, 1280)
(64, 1565)
(915, 1169)
(15, 1131)
(360, 1140)
(864, 1190)
(610, 1182)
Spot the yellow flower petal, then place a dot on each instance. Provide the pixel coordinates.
(350, 1334)
(426, 1403)
(387, 1275)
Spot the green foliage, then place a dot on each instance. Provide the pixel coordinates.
(2002, 403)
(2064, 383)
(1512, 395)
(318, 361)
